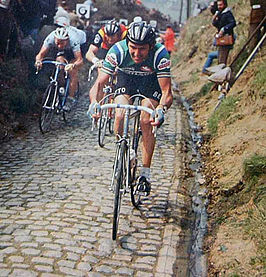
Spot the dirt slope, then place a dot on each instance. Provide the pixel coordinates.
(236, 240)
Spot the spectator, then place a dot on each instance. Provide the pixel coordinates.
(169, 39)
(214, 54)
(61, 11)
(211, 56)
(225, 22)
(29, 14)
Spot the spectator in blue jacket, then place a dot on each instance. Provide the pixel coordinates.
(225, 22)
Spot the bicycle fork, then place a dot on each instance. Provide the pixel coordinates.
(126, 178)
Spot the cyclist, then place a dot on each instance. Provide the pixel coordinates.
(103, 40)
(64, 45)
(143, 66)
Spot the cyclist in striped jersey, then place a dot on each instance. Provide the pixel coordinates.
(143, 66)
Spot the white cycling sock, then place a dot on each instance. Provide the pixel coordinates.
(146, 172)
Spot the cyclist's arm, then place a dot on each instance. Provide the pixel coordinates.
(167, 96)
(91, 54)
(78, 62)
(96, 92)
(40, 56)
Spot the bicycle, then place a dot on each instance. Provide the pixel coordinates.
(54, 98)
(124, 170)
(106, 118)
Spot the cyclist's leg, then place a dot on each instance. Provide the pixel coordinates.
(74, 78)
(119, 113)
(148, 140)
(61, 58)
(151, 89)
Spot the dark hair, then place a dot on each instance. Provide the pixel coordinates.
(224, 1)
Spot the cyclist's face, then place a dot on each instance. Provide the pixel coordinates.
(138, 53)
(112, 39)
(61, 43)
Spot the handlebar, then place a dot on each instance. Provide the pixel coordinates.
(127, 107)
(131, 107)
(56, 63)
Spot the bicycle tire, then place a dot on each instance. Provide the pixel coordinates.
(103, 121)
(120, 175)
(135, 198)
(47, 110)
(111, 122)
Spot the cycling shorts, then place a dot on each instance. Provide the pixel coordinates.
(68, 54)
(131, 85)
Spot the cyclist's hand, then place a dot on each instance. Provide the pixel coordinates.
(38, 65)
(94, 108)
(158, 118)
(99, 64)
(69, 67)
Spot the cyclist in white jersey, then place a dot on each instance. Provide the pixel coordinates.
(63, 45)
(143, 66)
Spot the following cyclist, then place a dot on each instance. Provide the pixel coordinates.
(143, 66)
(103, 40)
(65, 46)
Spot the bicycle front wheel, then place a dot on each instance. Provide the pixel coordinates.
(135, 198)
(120, 182)
(102, 127)
(47, 109)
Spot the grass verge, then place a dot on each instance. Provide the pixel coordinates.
(226, 108)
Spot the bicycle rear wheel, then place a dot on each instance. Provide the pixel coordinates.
(47, 109)
(135, 198)
(120, 180)
(103, 121)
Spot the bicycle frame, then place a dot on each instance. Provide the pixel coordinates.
(125, 136)
(54, 80)
(53, 102)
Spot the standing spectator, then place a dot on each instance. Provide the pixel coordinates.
(169, 39)
(214, 54)
(29, 14)
(225, 22)
(62, 11)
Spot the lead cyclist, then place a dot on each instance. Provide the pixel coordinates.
(143, 66)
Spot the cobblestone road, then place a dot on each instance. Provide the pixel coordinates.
(56, 209)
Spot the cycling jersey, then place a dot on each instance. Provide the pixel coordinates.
(157, 63)
(73, 44)
(81, 35)
(100, 37)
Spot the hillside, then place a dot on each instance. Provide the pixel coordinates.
(234, 156)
